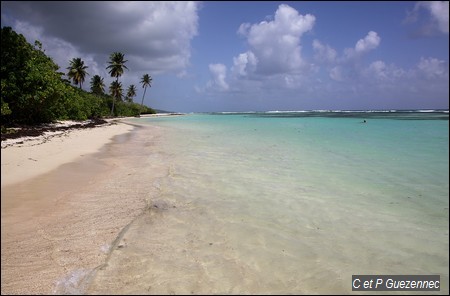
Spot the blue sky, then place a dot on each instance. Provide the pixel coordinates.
(243, 56)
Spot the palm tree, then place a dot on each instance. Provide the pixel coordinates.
(116, 66)
(77, 71)
(115, 89)
(97, 85)
(146, 81)
(131, 93)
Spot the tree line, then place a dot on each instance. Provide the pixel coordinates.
(33, 91)
(77, 72)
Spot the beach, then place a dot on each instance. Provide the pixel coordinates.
(64, 202)
(29, 157)
(254, 203)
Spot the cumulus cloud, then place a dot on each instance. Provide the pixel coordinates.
(363, 46)
(351, 76)
(273, 59)
(276, 44)
(428, 78)
(346, 67)
(379, 71)
(378, 68)
(433, 68)
(436, 20)
(425, 71)
(439, 12)
(371, 41)
(155, 36)
(244, 64)
(219, 74)
(324, 53)
(336, 73)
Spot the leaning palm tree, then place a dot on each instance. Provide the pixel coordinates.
(146, 81)
(131, 93)
(115, 89)
(97, 85)
(77, 71)
(116, 67)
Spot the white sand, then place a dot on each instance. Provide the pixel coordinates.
(63, 205)
(45, 153)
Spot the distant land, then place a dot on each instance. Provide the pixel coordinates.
(163, 111)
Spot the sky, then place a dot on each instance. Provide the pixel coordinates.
(253, 56)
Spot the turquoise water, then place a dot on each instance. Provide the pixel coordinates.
(288, 203)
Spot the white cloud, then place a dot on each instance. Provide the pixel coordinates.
(346, 67)
(439, 13)
(433, 68)
(425, 71)
(434, 20)
(379, 71)
(428, 78)
(244, 63)
(243, 29)
(276, 44)
(273, 67)
(336, 74)
(324, 53)
(363, 46)
(219, 74)
(371, 41)
(273, 60)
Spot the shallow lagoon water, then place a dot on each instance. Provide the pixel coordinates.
(287, 203)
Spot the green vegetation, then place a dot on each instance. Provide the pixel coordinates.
(77, 71)
(146, 81)
(97, 85)
(131, 93)
(33, 91)
(116, 66)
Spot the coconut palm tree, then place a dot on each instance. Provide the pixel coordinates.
(131, 93)
(77, 71)
(116, 67)
(146, 81)
(97, 85)
(115, 89)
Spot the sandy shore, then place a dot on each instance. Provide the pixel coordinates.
(65, 201)
(30, 157)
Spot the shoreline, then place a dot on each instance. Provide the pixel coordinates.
(62, 213)
(28, 157)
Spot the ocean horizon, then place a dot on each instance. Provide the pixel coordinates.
(425, 110)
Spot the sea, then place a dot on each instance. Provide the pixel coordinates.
(287, 202)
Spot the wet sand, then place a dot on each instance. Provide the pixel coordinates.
(59, 226)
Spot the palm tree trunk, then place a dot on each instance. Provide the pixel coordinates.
(112, 108)
(114, 98)
(142, 103)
